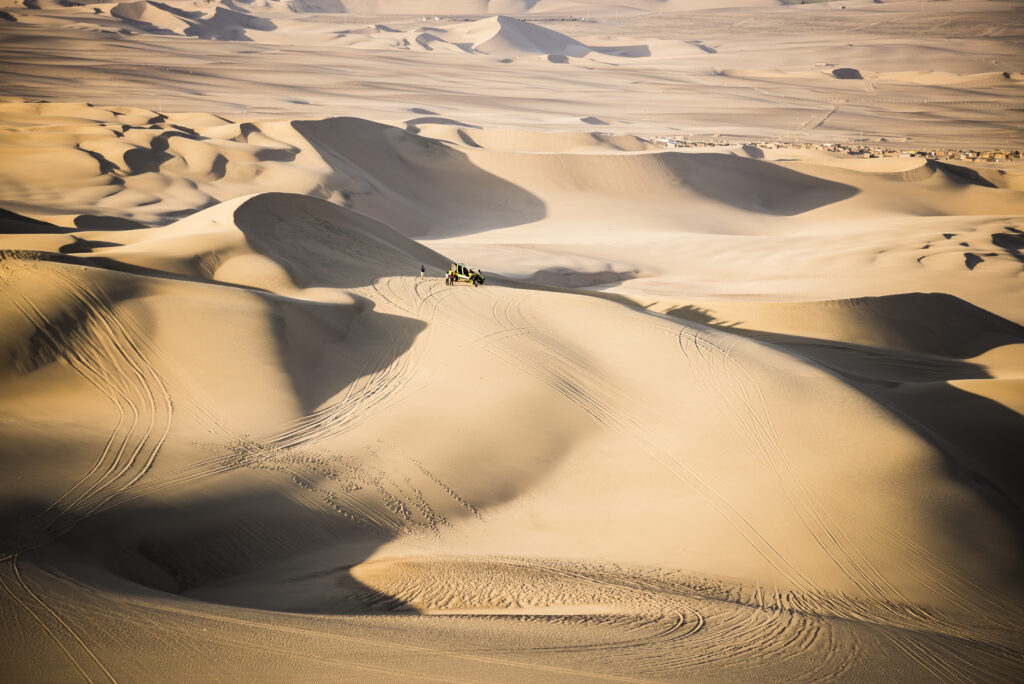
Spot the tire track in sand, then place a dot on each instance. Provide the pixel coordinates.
(543, 357)
(381, 382)
(531, 349)
(60, 632)
(739, 397)
(94, 342)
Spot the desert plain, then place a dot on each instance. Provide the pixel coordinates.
(741, 397)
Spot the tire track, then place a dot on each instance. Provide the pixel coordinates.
(985, 605)
(364, 642)
(664, 632)
(117, 612)
(56, 343)
(887, 605)
(741, 399)
(379, 385)
(662, 606)
(49, 632)
(106, 351)
(545, 359)
(376, 389)
(731, 638)
(746, 404)
(158, 405)
(94, 343)
(42, 613)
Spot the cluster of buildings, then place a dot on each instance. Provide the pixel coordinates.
(855, 149)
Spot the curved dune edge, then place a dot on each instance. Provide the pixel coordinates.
(741, 413)
(312, 335)
(161, 167)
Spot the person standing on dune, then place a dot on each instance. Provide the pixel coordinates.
(423, 270)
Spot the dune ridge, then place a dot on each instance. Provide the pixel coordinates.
(719, 69)
(221, 24)
(357, 333)
(346, 332)
(195, 161)
(735, 413)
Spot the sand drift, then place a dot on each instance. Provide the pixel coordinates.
(264, 408)
(722, 414)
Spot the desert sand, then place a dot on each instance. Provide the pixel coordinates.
(724, 413)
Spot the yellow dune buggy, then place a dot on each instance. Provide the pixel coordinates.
(462, 273)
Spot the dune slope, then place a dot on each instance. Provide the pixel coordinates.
(743, 412)
(293, 448)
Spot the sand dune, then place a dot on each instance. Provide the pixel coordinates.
(520, 140)
(738, 413)
(951, 79)
(506, 36)
(538, 6)
(220, 24)
(151, 15)
(379, 170)
(496, 36)
(540, 189)
(338, 332)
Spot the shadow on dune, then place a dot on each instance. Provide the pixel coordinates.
(226, 23)
(427, 188)
(12, 223)
(753, 152)
(557, 277)
(207, 545)
(631, 51)
(323, 347)
(245, 548)
(917, 322)
(422, 187)
(96, 222)
(960, 174)
(929, 336)
(755, 185)
(68, 320)
(321, 244)
(1012, 242)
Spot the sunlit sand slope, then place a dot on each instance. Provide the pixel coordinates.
(263, 406)
(749, 412)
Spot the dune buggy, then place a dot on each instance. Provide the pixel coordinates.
(461, 272)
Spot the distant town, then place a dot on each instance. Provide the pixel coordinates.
(852, 149)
